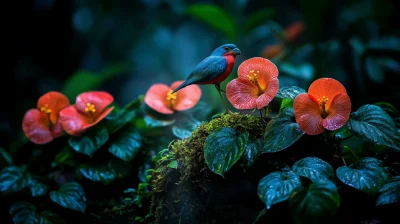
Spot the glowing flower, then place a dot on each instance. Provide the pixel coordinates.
(326, 106)
(89, 109)
(256, 85)
(161, 99)
(42, 125)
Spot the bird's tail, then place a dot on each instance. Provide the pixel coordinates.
(181, 86)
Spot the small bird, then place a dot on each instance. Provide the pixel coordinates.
(214, 69)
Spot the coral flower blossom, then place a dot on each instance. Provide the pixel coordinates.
(161, 99)
(89, 109)
(256, 85)
(326, 106)
(42, 125)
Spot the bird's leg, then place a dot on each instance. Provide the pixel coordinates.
(218, 87)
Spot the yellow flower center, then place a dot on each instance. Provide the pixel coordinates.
(90, 108)
(171, 97)
(45, 109)
(322, 104)
(253, 77)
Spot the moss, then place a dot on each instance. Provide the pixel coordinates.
(191, 193)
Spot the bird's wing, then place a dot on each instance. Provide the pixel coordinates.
(209, 69)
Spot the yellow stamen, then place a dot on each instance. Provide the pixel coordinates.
(90, 108)
(254, 79)
(171, 96)
(322, 104)
(45, 109)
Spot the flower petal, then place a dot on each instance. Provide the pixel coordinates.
(242, 94)
(327, 87)
(187, 97)
(294, 30)
(99, 99)
(74, 122)
(264, 68)
(272, 51)
(57, 129)
(264, 99)
(339, 112)
(156, 98)
(35, 125)
(55, 101)
(307, 114)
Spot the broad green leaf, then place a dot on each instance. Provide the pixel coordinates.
(36, 188)
(314, 168)
(214, 16)
(317, 204)
(342, 133)
(366, 175)
(284, 122)
(286, 102)
(71, 196)
(105, 173)
(5, 158)
(222, 149)
(24, 213)
(65, 157)
(154, 123)
(257, 18)
(277, 187)
(173, 164)
(289, 92)
(184, 127)
(252, 152)
(301, 71)
(373, 124)
(127, 144)
(90, 141)
(374, 70)
(13, 179)
(82, 81)
(124, 116)
(388, 108)
(390, 192)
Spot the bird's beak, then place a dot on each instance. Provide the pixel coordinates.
(235, 51)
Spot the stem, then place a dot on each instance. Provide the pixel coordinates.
(355, 156)
(344, 162)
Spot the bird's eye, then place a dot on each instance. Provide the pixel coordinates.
(226, 48)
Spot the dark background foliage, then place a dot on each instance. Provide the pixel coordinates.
(141, 42)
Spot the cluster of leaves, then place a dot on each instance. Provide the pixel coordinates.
(310, 185)
(114, 154)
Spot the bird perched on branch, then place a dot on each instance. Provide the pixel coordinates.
(214, 69)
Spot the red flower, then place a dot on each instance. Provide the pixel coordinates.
(42, 125)
(326, 106)
(89, 109)
(256, 86)
(161, 99)
(294, 30)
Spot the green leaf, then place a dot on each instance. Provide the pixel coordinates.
(65, 157)
(373, 124)
(82, 81)
(36, 188)
(119, 120)
(105, 173)
(5, 158)
(214, 16)
(374, 70)
(286, 102)
(284, 122)
(173, 164)
(317, 204)
(24, 213)
(71, 196)
(13, 179)
(252, 152)
(277, 187)
(154, 123)
(301, 71)
(390, 192)
(388, 108)
(257, 18)
(341, 133)
(289, 92)
(127, 144)
(314, 168)
(222, 149)
(89, 142)
(49, 217)
(184, 127)
(366, 175)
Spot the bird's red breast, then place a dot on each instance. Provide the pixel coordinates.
(230, 59)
